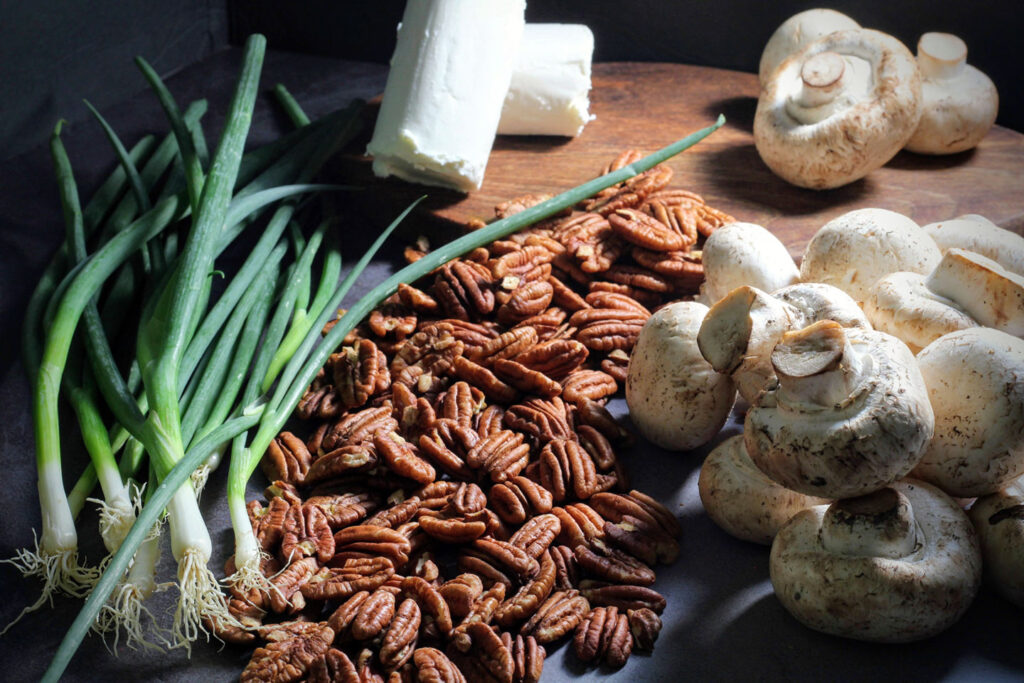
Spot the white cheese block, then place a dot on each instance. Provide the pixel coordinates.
(449, 74)
(551, 82)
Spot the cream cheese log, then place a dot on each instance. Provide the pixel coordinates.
(551, 82)
(450, 71)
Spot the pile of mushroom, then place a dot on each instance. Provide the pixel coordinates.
(856, 456)
(838, 101)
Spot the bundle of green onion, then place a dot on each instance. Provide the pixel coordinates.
(206, 370)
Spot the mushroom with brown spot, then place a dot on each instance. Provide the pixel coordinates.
(857, 249)
(980, 235)
(999, 520)
(741, 500)
(901, 304)
(740, 331)
(838, 109)
(849, 416)
(959, 103)
(895, 565)
(740, 254)
(991, 294)
(975, 381)
(796, 32)
(675, 398)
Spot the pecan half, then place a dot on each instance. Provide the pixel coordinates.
(374, 615)
(342, 461)
(508, 556)
(507, 345)
(400, 638)
(616, 365)
(400, 458)
(588, 384)
(342, 617)
(460, 593)
(516, 499)
(624, 597)
(645, 626)
(525, 603)
(339, 583)
(537, 534)
(566, 570)
(485, 380)
(268, 522)
(333, 666)
(526, 380)
(568, 471)
(431, 602)
(359, 373)
(481, 612)
(555, 358)
(607, 329)
(432, 666)
(355, 428)
(528, 299)
(286, 459)
(371, 540)
(543, 419)
(416, 299)
(285, 596)
(344, 509)
(502, 455)
(289, 659)
(463, 289)
(429, 353)
(461, 403)
(527, 657)
(452, 530)
(306, 533)
(604, 634)
(320, 401)
(613, 565)
(557, 616)
(643, 230)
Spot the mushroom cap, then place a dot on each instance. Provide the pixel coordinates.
(839, 569)
(980, 235)
(819, 301)
(975, 381)
(740, 254)
(675, 398)
(999, 520)
(857, 420)
(959, 102)
(741, 499)
(991, 294)
(901, 304)
(863, 127)
(796, 32)
(855, 250)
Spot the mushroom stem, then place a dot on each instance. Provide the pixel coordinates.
(941, 55)
(879, 524)
(817, 365)
(822, 79)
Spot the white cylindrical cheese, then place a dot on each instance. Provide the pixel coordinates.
(551, 82)
(449, 74)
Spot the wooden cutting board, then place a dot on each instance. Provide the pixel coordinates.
(646, 106)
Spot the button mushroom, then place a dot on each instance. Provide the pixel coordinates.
(675, 398)
(959, 103)
(838, 109)
(796, 32)
(896, 565)
(980, 235)
(975, 381)
(855, 250)
(744, 254)
(740, 331)
(740, 499)
(991, 294)
(999, 521)
(849, 416)
(901, 304)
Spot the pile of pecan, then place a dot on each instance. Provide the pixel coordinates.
(458, 504)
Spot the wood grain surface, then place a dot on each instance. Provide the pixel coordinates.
(648, 105)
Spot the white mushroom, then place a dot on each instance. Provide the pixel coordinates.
(975, 381)
(849, 416)
(855, 250)
(838, 109)
(991, 294)
(796, 32)
(980, 235)
(896, 565)
(741, 499)
(740, 331)
(739, 254)
(959, 103)
(999, 521)
(901, 304)
(675, 397)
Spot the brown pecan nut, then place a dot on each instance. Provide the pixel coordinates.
(589, 241)
(639, 279)
(415, 415)
(616, 365)
(491, 660)
(481, 612)
(460, 593)
(520, 203)
(333, 666)
(321, 402)
(667, 521)
(540, 418)
(525, 603)
(285, 596)
(268, 522)
(599, 448)
(359, 373)
(644, 296)
(366, 538)
(537, 534)
(638, 538)
(485, 380)
(680, 215)
(566, 570)
(432, 666)
(430, 601)
(588, 384)
(400, 638)
(247, 617)
(490, 420)
(563, 296)
(617, 301)
(306, 533)
(507, 345)
(357, 427)
(685, 268)
(624, 597)
(527, 657)
(452, 530)
(417, 300)
(289, 659)
(466, 500)
(430, 352)
(632, 192)
(645, 626)
(604, 634)
(581, 525)
(613, 565)
(502, 455)
(342, 617)
(518, 498)
(527, 300)
(526, 380)
(557, 616)
(520, 262)
(400, 457)
(568, 471)
(488, 569)
(643, 230)
(461, 403)
(508, 556)
(710, 219)
(555, 358)
(339, 583)
(366, 671)
(597, 416)
(344, 509)
(463, 289)
(445, 454)
(396, 515)
(392, 319)
(287, 459)
(374, 615)
(342, 461)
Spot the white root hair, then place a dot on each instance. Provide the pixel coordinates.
(201, 602)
